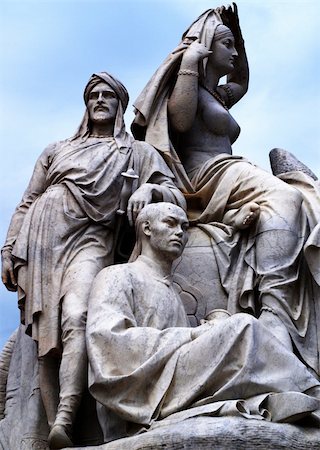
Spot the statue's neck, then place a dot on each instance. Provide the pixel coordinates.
(102, 130)
(212, 78)
(161, 266)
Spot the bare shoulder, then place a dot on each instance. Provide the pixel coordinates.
(231, 93)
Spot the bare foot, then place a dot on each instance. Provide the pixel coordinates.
(244, 217)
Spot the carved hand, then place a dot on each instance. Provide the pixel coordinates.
(230, 18)
(8, 277)
(196, 52)
(138, 200)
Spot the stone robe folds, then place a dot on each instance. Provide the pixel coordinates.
(288, 273)
(291, 280)
(146, 363)
(61, 234)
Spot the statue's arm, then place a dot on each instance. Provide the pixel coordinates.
(238, 79)
(35, 188)
(183, 102)
(162, 190)
(156, 183)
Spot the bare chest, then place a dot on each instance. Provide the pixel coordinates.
(214, 119)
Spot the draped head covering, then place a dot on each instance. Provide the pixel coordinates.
(204, 29)
(122, 138)
(151, 122)
(115, 85)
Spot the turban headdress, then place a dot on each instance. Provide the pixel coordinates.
(122, 138)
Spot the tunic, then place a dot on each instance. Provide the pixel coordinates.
(61, 234)
(147, 364)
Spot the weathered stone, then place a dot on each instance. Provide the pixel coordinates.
(222, 433)
(65, 231)
(157, 371)
(282, 161)
(253, 248)
(262, 235)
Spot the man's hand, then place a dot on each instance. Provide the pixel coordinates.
(138, 200)
(8, 277)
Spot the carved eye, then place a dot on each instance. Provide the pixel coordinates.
(109, 95)
(170, 222)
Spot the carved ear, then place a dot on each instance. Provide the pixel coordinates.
(146, 228)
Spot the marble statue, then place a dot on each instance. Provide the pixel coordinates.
(188, 336)
(63, 233)
(146, 364)
(256, 223)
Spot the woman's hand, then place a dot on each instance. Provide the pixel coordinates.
(238, 79)
(8, 277)
(196, 52)
(230, 19)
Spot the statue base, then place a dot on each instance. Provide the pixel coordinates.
(221, 433)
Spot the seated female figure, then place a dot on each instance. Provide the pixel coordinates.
(184, 113)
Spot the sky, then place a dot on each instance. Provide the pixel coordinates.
(49, 49)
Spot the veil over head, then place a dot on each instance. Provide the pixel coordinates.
(151, 122)
(122, 138)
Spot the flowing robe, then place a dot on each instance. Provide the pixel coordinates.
(61, 234)
(282, 275)
(276, 256)
(274, 265)
(146, 363)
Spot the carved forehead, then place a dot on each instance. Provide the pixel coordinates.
(157, 211)
(102, 87)
(222, 32)
(113, 83)
(171, 211)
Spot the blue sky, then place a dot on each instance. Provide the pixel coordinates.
(49, 49)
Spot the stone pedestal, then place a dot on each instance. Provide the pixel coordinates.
(221, 433)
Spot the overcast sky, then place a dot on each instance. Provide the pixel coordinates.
(49, 49)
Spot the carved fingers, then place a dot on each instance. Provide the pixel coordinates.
(230, 18)
(196, 52)
(8, 276)
(138, 200)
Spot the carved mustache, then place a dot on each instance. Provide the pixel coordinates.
(101, 108)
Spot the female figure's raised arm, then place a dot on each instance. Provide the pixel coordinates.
(183, 102)
(238, 79)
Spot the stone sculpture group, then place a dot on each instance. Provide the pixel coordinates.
(224, 325)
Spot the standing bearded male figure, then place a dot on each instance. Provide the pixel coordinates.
(147, 364)
(62, 234)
